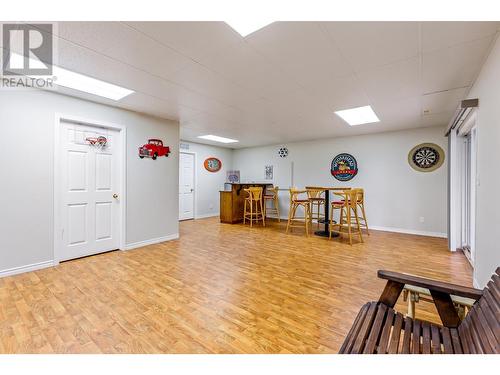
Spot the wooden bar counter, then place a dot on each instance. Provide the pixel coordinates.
(232, 201)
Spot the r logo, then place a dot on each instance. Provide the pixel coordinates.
(28, 49)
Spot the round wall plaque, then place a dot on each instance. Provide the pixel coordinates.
(344, 167)
(426, 157)
(212, 164)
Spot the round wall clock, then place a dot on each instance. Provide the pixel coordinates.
(344, 167)
(283, 152)
(426, 157)
(212, 164)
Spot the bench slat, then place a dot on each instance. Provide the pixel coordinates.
(365, 329)
(353, 333)
(464, 333)
(491, 322)
(386, 331)
(375, 330)
(396, 334)
(415, 338)
(436, 339)
(447, 344)
(457, 344)
(426, 338)
(407, 336)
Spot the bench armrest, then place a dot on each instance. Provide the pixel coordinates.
(432, 285)
(440, 291)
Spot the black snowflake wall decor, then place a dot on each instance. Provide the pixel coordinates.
(283, 152)
(426, 157)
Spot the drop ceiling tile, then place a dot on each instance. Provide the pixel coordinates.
(301, 49)
(119, 41)
(438, 119)
(446, 101)
(371, 44)
(394, 81)
(193, 39)
(454, 67)
(249, 69)
(338, 93)
(204, 81)
(394, 111)
(438, 35)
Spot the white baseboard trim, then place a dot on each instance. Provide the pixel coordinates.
(397, 230)
(152, 241)
(27, 268)
(410, 231)
(212, 214)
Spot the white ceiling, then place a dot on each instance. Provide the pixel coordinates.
(283, 82)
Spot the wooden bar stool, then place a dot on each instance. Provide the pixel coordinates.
(254, 202)
(272, 197)
(360, 201)
(318, 202)
(348, 215)
(296, 202)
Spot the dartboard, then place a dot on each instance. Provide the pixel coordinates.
(283, 152)
(426, 157)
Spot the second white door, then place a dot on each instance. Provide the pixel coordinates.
(186, 186)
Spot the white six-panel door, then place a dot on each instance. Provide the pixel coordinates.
(186, 186)
(90, 177)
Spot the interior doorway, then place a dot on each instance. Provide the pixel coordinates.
(186, 185)
(468, 191)
(90, 194)
(463, 185)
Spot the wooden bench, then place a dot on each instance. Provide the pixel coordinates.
(379, 329)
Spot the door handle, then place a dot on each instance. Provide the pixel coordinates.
(115, 196)
(192, 190)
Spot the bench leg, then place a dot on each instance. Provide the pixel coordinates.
(411, 305)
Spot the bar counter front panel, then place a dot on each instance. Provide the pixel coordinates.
(232, 201)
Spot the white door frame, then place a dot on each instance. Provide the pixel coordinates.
(195, 180)
(59, 118)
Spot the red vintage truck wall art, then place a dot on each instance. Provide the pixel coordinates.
(153, 149)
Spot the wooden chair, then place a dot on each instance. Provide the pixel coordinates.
(348, 215)
(318, 202)
(296, 202)
(254, 202)
(379, 329)
(272, 197)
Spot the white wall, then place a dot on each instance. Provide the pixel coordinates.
(487, 89)
(396, 195)
(208, 183)
(27, 174)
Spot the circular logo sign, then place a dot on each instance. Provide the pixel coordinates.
(213, 164)
(426, 157)
(344, 167)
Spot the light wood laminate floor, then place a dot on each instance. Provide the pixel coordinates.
(219, 289)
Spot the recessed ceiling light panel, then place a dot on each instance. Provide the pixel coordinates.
(80, 82)
(358, 116)
(216, 138)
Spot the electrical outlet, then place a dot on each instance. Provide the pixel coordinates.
(421, 219)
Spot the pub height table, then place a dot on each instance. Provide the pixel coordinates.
(326, 231)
